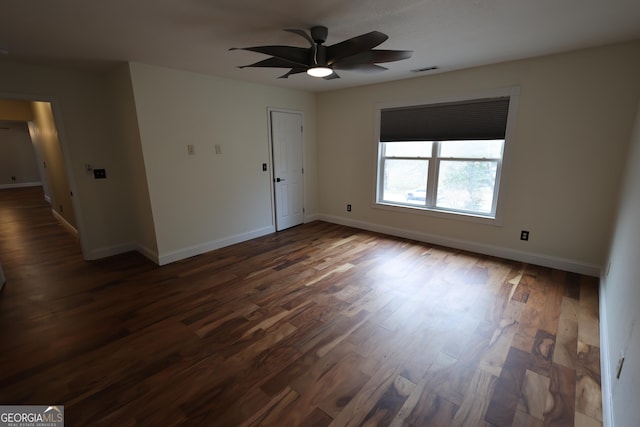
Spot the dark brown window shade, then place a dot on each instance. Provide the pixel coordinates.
(466, 120)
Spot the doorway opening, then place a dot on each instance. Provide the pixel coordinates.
(32, 148)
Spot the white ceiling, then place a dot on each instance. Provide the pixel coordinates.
(195, 35)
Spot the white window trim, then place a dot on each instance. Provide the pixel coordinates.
(502, 179)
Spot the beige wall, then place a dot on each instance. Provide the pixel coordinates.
(572, 131)
(135, 121)
(575, 116)
(15, 110)
(17, 155)
(205, 201)
(125, 125)
(46, 134)
(619, 299)
(84, 117)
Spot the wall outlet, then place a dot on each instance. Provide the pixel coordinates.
(191, 149)
(524, 235)
(99, 173)
(349, 207)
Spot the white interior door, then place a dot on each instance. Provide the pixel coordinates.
(286, 138)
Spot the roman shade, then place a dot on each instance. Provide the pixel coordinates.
(466, 120)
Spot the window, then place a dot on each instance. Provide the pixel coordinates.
(443, 157)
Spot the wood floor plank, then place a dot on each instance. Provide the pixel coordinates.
(271, 412)
(504, 401)
(385, 409)
(552, 284)
(542, 353)
(361, 404)
(563, 390)
(501, 340)
(535, 398)
(528, 292)
(473, 408)
(588, 391)
(425, 408)
(585, 421)
(588, 324)
(566, 346)
(316, 325)
(522, 419)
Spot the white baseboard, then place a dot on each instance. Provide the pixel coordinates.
(64, 223)
(47, 199)
(108, 251)
(20, 185)
(311, 218)
(168, 257)
(605, 359)
(497, 251)
(148, 253)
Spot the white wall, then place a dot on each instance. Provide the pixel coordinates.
(206, 201)
(45, 136)
(85, 125)
(575, 117)
(17, 156)
(125, 125)
(620, 298)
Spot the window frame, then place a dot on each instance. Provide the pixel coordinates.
(430, 208)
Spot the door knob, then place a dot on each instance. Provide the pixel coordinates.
(279, 179)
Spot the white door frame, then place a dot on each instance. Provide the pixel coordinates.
(272, 176)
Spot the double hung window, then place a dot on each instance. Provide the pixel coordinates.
(443, 157)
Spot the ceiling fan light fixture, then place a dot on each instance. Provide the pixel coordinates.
(320, 71)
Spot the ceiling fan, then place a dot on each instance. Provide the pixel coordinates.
(354, 54)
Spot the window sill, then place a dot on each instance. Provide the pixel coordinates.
(439, 213)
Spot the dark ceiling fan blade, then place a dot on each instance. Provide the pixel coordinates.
(354, 46)
(301, 33)
(332, 76)
(272, 62)
(354, 54)
(375, 57)
(293, 71)
(366, 68)
(297, 55)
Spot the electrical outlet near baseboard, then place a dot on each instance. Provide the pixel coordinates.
(349, 207)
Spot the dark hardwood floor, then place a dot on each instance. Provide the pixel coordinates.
(314, 326)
